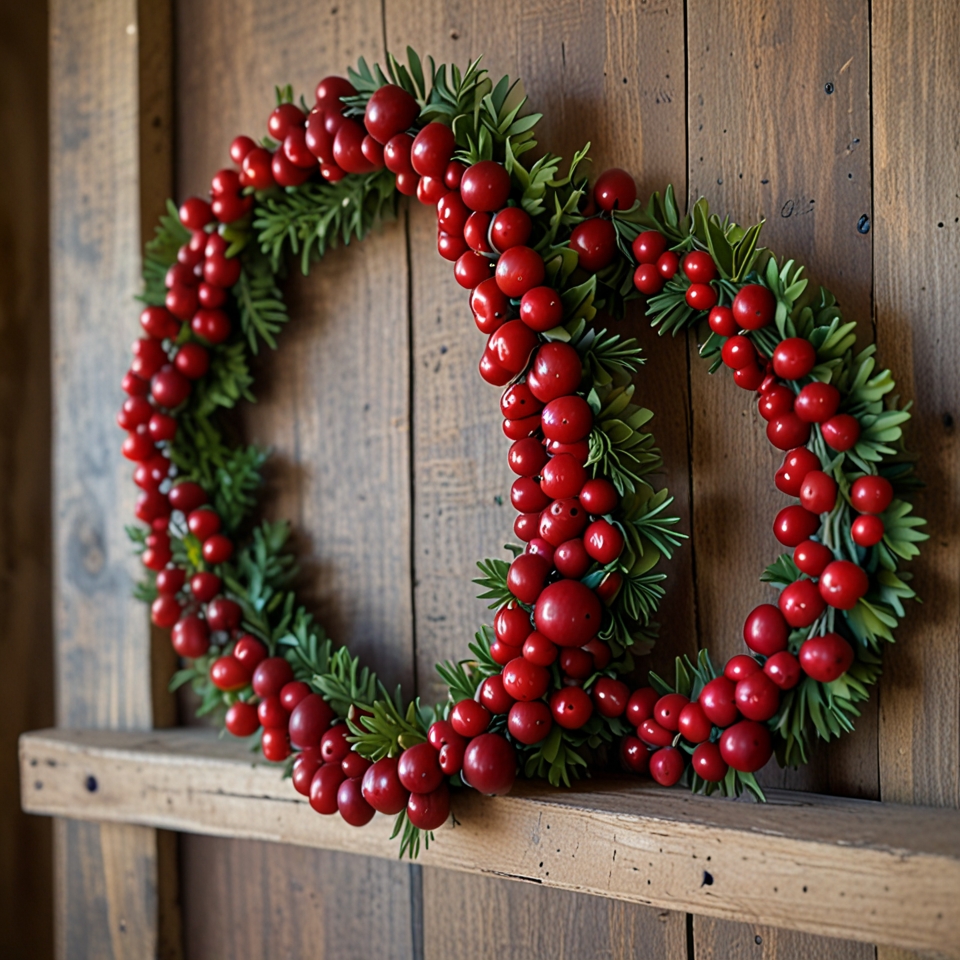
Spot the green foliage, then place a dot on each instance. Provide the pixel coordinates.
(494, 582)
(160, 253)
(263, 313)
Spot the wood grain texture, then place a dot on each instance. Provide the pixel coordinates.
(26, 622)
(917, 258)
(107, 877)
(333, 404)
(632, 110)
(845, 868)
(768, 141)
(722, 940)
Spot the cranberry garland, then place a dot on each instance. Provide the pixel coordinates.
(540, 254)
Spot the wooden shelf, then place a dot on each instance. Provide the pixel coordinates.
(845, 868)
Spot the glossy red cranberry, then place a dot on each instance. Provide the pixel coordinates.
(490, 764)
(575, 663)
(801, 603)
(615, 189)
(169, 387)
(527, 576)
(775, 401)
(699, 267)
(796, 465)
(490, 305)
(783, 669)
(871, 494)
(817, 402)
(390, 110)
(453, 175)
(841, 431)
(567, 419)
(541, 309)
(787, 431)
(527, 457)
(668, 264)
(512, 625)
(718, 700)
(693, 724)
(794, 358)
(562, 521)
(647, 279)
(708, 763)
(334, 745)
(190, 637)
(165, 611)
(595, 243)
(526, 495)
(667, 765)
(649, 246)
(738, 352)
(634, 755)
(511, 227)
(529, 722)
(563, 476)
(250, 652)
(519, 269)
(571, 707)
(170, 582)
(571, 559)
(556, 372)
(475, 230)
(757, 696)
(324, 788)
(842, 584)
(469, 718)
(539, 650)
(270, 676)
(794, 524)
(640, 705)
(223, 614)
(485, 186)
(258, 168)
(655, 734)
(382, 788)
(701, 296)
(309, 721)
(242, 720)
(610, 697)
(429, 811)
(603, 541)
(746, 746)
(818, 494)
(568, 613)
(432, 149)
(722, 322)
(599, 496)
(419, 768)
(293, 693)
(493, 695)
(811, 557)
(452, 214)
(754, 307)
(826, 658)
(512, 345)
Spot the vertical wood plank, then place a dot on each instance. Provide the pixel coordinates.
(614, 75)
(917, 260)
(26, 622)
(722, 940)
(107, 876)
(333, 404)
(779, 128)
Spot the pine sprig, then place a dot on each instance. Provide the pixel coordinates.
(160, 253)
(263, 314)
(494, 582)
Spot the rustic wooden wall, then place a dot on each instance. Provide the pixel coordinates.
(26, 626)
(389, 459)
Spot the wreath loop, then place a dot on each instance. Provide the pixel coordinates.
(541, 253)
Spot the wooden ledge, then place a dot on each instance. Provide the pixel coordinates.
(844, 868)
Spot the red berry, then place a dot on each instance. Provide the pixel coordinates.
(754, 307)
(511, 227)
(469, 718)
(666, 766)
(373, 151)
(190, 637)
(353, 808)
(666, 711)
(693, 724)
(746, 746)
(722, 322)
(794, 358)
(485, 186)
(396, 153)
(258, 168)
(239, 148)
(699, 267)
(610, 697)
(541, 309)
(390, 110)
(223, 614)
(527, 457)
(654, 733)
(490, 305)
(567, 419)
(561, 522)
(649, 246)
(640, 705)
(826, 658)
(512, 625)
(475, 229)
(775, 401)
(563, 477)
(304, 769)
(841, 431)
(242, 720)
(576, 663)
(518, 402)
(451, 756)
(293, 693)
(738, 352)
(871, 494)
(600, 652)
(160, 323)
(539, 650)
(817, 402)
(169, 387)
(334, 745)
(272, 714)
(165, 611)
(595, 243)
(192, 361)
(811, 557)
(749, 378)
(708, 763)
(787, 431)
(668, 264)
(603, 541)
(501, 654)
(212, 325)
(801, 603)
(740, 667)
(133, 385)
(818, 494)
(270, 676)
(634, 755)
(382, 788)
(529, 722)
(309, 721)
(429, 811)
(203, 523)
(221, 271)
(757, 696)
(867, 530)
(250, 652)
(452, 214)
(796, 465)
(599, 497)
(571, 707)
(647, 279)
(526, 495)
(432, 149)
(524, 680)
(519, 269)
(170, 581)
(453, 174)
(718, 700)
(783, 669)
(324, 788)
(493, 695)
(419, 768)
(842, 584)
(701, 296)
(490, 764)
(794, 524)
(330, 90)
(556, 372)
(615, 189)
(512, 345)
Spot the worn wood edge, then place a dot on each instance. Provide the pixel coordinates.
(845, 868)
